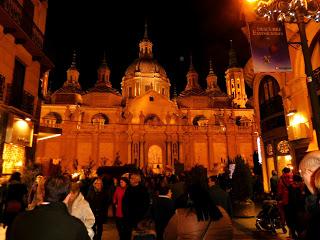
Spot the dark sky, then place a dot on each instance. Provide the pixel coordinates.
(176, 28)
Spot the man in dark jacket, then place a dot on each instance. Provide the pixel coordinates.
(218, 195)
(163, 210)
(50, 220)
(135, 203)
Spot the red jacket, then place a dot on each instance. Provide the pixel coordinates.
(117, 200)
(283, 192)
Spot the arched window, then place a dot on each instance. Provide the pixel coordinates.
(200, 120)
(271, 106)
(100, 119)
(52, 118)
(268, 89)
(152, 119)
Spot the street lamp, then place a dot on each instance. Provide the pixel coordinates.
(296, 11)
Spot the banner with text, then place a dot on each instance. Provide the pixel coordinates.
(269, 48)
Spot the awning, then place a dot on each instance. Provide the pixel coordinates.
(48, 132)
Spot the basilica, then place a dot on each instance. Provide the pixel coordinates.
(143, 124)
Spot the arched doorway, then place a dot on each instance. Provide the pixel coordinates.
(155, 159)
(278, 153)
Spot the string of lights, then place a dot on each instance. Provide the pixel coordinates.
(297, 11)
(286, 10)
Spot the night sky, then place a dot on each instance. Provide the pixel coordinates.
(176, 28)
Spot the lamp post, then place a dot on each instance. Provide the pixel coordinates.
(296, 11)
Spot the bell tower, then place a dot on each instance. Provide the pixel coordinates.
(235, 80)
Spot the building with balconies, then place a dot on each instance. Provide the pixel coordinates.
(282, 102)
(23, 64)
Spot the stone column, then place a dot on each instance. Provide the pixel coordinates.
(141, 145)
(130, 153)
(210, 152)
(181, 150)
(95, 148)
(231, 141)
(169, 153)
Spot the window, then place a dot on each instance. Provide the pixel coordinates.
(269, 89)
(151, 98)
(271, 106)
(17, 84)
(162, 91)
(100, 119)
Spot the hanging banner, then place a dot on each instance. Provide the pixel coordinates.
(269, 48)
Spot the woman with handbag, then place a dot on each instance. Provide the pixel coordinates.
(200, 218)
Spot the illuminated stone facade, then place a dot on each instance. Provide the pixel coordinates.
(143, 125)
(285, 143)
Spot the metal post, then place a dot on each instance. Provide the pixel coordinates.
(308, 71)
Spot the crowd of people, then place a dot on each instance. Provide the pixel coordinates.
(150, 206)
(297, 195)
(190, 205)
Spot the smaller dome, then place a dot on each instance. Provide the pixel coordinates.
(69, 88)
(103, 89)
(193, 92)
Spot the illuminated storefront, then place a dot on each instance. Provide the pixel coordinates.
(18, 136)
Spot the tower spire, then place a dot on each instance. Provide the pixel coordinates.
(145, 44)
(212, 84)
(103, 73)
(104, 60)
(210, 66)
(233, 62)
(191, 67)
(145, 36)
(175, 95)
(192, 77)
(72, 72)
(74, 59)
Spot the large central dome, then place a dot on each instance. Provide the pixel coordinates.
(145, 73)
(145, 65)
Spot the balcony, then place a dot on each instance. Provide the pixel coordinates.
(25, 102)
(21, 26)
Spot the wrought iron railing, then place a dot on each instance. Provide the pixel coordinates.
(17, 13)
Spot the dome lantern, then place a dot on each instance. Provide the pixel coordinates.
(145, 45)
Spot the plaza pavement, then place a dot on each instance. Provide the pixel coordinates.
(244, 229)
